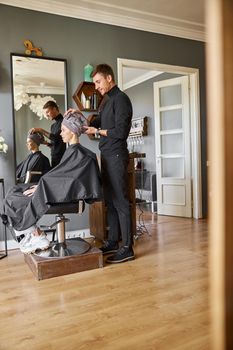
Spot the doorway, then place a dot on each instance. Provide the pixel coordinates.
(154, 69)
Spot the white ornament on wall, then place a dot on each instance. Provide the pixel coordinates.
(35, 103)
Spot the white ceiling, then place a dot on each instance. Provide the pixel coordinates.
(134, 76)
(181, 18)
(37, 75)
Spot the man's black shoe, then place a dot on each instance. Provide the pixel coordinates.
(123, 254)
(109, 247)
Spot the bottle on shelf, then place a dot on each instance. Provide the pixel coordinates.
(94, 100)
(88, 102)
(83, 99)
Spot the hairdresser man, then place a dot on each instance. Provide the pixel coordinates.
(112, 126)
(56, 144)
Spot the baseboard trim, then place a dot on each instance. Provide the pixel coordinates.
(84, 233)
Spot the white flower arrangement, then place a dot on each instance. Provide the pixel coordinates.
(35, 103)
(3, 145)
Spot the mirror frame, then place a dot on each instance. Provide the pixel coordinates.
(12, 92)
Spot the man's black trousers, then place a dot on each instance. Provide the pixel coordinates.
(115, 184)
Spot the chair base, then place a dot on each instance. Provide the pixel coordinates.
(44, 268)
(70, 247)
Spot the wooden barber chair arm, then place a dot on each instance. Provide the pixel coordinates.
(32, 176)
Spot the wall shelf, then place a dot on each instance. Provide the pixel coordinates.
(87, 97)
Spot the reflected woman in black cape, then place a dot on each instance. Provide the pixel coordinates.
(76, 177)
(35, 161)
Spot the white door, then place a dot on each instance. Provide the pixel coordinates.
(172, 144)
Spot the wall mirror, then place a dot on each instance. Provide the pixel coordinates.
(35, 80)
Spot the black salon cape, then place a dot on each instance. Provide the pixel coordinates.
(76, 177)
(34, 162)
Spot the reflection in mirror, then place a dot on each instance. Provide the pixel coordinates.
(34, 82)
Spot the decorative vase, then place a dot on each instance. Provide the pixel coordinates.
(88, 69)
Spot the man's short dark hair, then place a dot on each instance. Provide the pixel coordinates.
(51, 104)
(103, 69)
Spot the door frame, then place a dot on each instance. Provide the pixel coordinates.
(179, 183)
(195, 129)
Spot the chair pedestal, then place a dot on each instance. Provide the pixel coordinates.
(63, 247)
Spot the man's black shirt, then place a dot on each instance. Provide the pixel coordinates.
(115, 116)
(58, 147)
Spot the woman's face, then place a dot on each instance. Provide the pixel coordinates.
(66, 134)
(31, 145)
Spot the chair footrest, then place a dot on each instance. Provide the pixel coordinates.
(47, 229)
(44, 268)
(71, 247)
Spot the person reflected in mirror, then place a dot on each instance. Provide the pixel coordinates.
(112, 127)
(35, 161)
(76, 177)
(56, 144)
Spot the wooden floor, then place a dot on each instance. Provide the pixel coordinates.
(159, 301)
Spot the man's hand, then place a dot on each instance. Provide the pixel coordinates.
(72, 110)
(29, 192)
(31, 131)
(89, 130)
(46, 143)
(42, 131)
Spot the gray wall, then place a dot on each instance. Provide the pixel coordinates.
(82, 42)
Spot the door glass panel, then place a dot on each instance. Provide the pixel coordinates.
(172, 167)
(170, 120)
(172, 143)
(170, 95)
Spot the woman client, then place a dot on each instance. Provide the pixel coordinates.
(76, 177)
(35, 161)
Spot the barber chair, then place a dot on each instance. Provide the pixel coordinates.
(64, 247)
(32, 176)
(64, 256)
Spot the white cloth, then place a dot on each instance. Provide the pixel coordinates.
(27, 231)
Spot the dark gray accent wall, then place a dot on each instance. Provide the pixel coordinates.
(82, 42)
